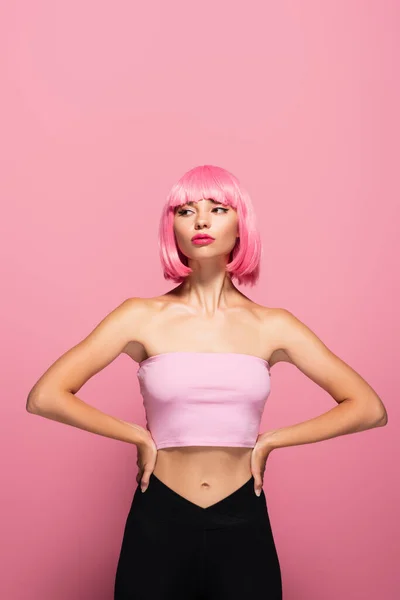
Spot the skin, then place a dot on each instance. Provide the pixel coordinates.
(205, 312)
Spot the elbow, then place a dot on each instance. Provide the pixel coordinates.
(378, 414)
(32, 405)
(35, 402)
(383, 420)
(380, 417)
(47, 403)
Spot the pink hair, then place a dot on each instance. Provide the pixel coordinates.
(216, 183)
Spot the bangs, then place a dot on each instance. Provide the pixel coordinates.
(205, 182)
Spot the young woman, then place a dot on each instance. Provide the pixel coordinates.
(198, 526)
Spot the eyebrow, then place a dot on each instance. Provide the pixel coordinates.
(210, 199)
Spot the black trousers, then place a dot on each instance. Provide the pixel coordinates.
(173, 549)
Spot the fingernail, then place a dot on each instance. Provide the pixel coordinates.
(143, 489)
(258, 492)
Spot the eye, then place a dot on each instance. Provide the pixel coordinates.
(185, 210)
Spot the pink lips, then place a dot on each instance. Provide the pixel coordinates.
(202, 241)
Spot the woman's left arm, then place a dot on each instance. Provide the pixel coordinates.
(359, 406)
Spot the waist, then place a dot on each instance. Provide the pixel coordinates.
(189, 467)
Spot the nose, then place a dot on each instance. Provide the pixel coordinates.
(201, 222)
(202, 215)
(200, 225)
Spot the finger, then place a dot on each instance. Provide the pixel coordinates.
(144, 484)
(256, 472)
(258, 483)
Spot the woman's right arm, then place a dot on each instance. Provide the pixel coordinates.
(54, 395)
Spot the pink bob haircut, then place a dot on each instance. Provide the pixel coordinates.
(218, 184)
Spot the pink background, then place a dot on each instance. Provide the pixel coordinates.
(104, 105)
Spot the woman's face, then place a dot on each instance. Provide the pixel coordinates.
(210, 218)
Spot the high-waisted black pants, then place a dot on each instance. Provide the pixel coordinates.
(173, 549)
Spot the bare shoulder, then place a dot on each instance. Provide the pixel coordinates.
(301, 345)
(97, 349)
(286, 329)
(148, 307)
(271, 319)
(143, 313)
(287, 335)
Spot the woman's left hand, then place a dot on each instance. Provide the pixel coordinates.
(259, 457)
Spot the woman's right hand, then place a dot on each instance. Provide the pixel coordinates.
(146, 460)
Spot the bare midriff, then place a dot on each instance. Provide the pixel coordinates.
(203, 475)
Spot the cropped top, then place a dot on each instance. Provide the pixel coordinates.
(204, 398)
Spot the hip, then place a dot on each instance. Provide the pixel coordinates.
(160, 506)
